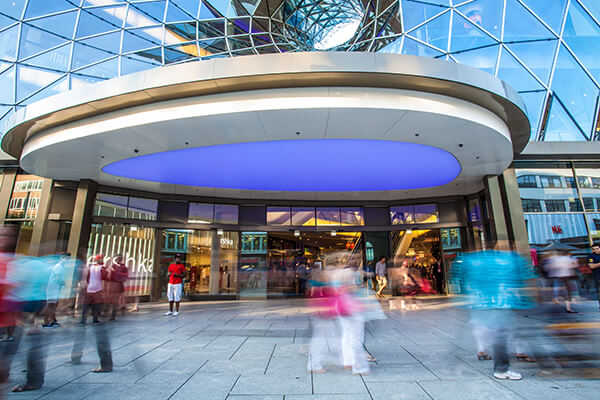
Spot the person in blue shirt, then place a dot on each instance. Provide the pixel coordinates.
(594, 264)
(495, 284)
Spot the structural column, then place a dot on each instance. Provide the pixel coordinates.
(42, 242)
(513, 211)
(495, 205)
(82, 219)
(215, 259)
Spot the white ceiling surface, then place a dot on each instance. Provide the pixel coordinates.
(81, 149)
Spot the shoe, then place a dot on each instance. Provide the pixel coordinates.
(96, 322)
(176, 313)
(509, 375)
(169, 313)
(49, 325)
(56, 324)
(572, 312)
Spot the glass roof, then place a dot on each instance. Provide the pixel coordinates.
(549, 51)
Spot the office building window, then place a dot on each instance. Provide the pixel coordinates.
(527, 181)
(531, 205)
(555, 206)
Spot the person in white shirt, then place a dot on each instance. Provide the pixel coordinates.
(561, 269)
(380, 274)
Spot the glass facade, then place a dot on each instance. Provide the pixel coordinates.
(135, 244)
(546, 50)
(414, 214)
(560, 204)
(116, 206)
(319, 216)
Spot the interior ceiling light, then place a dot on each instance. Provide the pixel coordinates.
(378, 165)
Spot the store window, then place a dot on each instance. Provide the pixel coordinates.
(117, 206)
(328, 216)
(304, 216)
(352, 216)
(211, 260)
(281, 216)
(414, 214)
(135, 244)
(200, 213)
(226, 214)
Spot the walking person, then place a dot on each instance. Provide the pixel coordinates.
(176, 273)
(561, 268)
(94, 295)
(55, 285)
(381, 275)
(594, 264)
(117, 275)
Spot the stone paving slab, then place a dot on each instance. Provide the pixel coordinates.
(247, 350)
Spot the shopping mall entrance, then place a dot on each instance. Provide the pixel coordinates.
(232, 264)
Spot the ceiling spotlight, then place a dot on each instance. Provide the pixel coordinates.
(220, 232)
(333, 233)
(408, 231)
(296, 233)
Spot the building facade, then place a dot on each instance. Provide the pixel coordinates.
(254, 137)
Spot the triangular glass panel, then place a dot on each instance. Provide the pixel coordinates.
(483, 58)
(189, 6)
(130, 65)
(535, 103)
(250, 5)
(7, 86)
(57, 59)
(416, 12)
(513, 73)
(138, 39)
(465, 35)
(576, 90)
(104, 70)
(560, 126)
(61, 24)
(484, 13)
(520, 24)
(150, 54)
(80, 80)
(176, 14)
(180, 32)
(389, 22)
(34, 41)
(13, 8)
(179, 53)
(37, 8)
(582, 35)
(9, 41)
(551, 12)
(61, 85)
(5, 21)
(110, 42)
(154, 10)
(33, 79)
(435, 32)
(85, 55)
(236, 9)
(538, 56)
(4, 66)
(97, 3)
(96, 20)
(593, 7)
(207, 11)
(415, 48)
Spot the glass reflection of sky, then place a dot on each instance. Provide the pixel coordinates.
(327, 165)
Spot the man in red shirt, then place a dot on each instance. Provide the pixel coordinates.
(175, 285)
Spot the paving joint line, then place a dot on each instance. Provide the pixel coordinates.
(362, 378)
(270, 358)
(147, 352)
(187, 380)
(239, 347)
(422, 388)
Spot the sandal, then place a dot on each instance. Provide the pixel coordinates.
(370, 358)
(24, 388)
(483, 357)
(100, 370)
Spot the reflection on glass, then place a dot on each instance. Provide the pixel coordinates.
(279, 216)
(402, 215)
(352, 216)
(226, 214)
(135, 244)
(303, 216)
(25, 197)
(139, 208)
(200, 213)
(426, 214)
(328, 216)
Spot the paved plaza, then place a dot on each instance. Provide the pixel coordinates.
(251, 350)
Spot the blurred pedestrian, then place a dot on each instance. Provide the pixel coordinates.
(55, 285)
(381, 274)
(117, 274)
(561, 269)
(495, 283)
(94, 298)
(176, 273)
